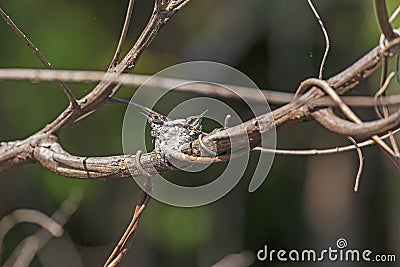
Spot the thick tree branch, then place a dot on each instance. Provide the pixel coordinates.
(52, 156)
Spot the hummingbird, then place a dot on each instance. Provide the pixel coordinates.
(168, 134)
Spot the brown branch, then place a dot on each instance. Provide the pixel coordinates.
(335, 124)
(52, 156)
(39, 55)
(383, 19)
(319, 152)
(360, 165)
(327, 43)
(388, 32)
(127, 238)
(378, 95)
(124, 32)
(344, 127)
(104, 89)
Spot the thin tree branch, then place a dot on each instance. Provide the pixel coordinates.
(320, 152)
(382, 91)
(327, 43)
(378, 95)
(103, 90)
(361, 163)
(39, 55)
(165, 83)
(124, 32)
(127, 238)
(338, 125)
(383, 19)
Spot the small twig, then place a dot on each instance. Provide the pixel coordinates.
(391, 19)
(397, 68)
(319, 152)
(126, 240)
(378, 95)
(124, 32)
(361, 163)
(381, 91)
(172, 5)
(39, 55)
(327, 43)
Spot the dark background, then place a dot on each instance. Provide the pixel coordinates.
(306, 202)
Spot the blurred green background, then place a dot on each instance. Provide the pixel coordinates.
(306, 202)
